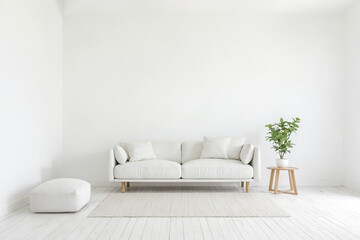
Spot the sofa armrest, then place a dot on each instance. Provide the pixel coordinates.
(256, 164)
(111, 165)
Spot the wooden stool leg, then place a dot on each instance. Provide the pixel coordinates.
(242, 184)
(294, 182)
(128, 184)
(276, 181)
(247, 186)
(123, 187)
(271, 180)
(291, 181)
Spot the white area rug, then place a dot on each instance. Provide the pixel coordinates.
(188, 204)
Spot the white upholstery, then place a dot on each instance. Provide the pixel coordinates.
(191, 150)
(111, 165)
(139, 151)
(147, 169)
(193, 168)
(168, 150)
(215, 147)
(235, 146)
(256, 164)
(60, 195)
(247, 153)
(215, 169)
(120, 154)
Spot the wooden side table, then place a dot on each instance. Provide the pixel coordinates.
(276, 171)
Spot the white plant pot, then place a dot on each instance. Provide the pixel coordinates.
(282, 163)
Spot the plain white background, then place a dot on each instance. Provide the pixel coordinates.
(352, 128)
(30, 97)
(175, 72)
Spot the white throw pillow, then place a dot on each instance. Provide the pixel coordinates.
(140, 151)
(235, 146)
(120, 154)
(215, 147)
(247, 153)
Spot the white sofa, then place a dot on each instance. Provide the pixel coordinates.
(181, 162)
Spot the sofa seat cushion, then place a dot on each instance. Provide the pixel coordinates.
(215, 168)
(149, 169)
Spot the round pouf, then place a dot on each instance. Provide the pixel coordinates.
(60, 195)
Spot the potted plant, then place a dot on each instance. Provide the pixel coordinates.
(279, 135)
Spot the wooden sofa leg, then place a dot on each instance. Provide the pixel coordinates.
(123, 187)
(242, 184)
(128, 184)
(247, 186)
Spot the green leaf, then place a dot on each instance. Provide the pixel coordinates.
(279, 135)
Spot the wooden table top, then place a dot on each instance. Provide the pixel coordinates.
(283, 168)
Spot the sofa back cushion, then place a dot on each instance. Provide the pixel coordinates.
(164, 150)
(235, 147)
(191, 150)
(139, 151)
(168, 151)
(215, 147)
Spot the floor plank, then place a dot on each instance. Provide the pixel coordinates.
(316, 213)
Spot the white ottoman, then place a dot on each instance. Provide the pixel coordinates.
(60, 195)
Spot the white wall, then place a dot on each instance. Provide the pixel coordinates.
(135, 72)
(30, 96)
(352, 124)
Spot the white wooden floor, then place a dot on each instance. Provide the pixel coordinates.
(317, 213)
